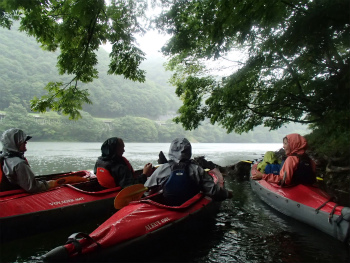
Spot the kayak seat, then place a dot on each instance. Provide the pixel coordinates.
(90, 186)
(105, 178)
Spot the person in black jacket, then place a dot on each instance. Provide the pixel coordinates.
(113, 169)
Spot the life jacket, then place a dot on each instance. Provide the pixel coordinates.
(129, 166)
(304, 174)
(179, 187)
(105, 178)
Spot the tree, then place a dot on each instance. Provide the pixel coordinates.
(134, 129)
(297, 66)
(77, 28)
(17, 117)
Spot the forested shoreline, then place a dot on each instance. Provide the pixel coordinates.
(52, 126)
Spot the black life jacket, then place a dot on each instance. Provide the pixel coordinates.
(304, 174)
(179, 187)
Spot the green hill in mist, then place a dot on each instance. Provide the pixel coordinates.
(25, 70)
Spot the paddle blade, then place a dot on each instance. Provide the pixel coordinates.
(129, 194)
(246, 161)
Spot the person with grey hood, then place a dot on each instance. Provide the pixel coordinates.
(15, 169)
(178, 189)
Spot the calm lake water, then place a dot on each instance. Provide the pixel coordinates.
(245, 229)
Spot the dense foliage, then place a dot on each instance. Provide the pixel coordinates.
(296, 68)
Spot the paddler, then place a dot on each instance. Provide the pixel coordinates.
(298, 168)
(181, 178)
(113, 169)
(16, 172)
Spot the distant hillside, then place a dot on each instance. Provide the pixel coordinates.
(25, 69)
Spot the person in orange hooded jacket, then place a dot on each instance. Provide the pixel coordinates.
(297, 168)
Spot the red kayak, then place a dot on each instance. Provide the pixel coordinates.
(138, 221)
(23, 213)
(306, 203)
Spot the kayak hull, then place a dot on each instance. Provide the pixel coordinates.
(307, 204)
(123, 239)
(23, 214)
(136, 225)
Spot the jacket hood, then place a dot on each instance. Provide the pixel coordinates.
(297, 143)
(12, 138)
(109, 148)
(180, 150)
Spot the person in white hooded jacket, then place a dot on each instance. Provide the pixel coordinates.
(15, 169)
(180, 152)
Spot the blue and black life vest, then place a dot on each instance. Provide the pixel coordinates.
(180, 187)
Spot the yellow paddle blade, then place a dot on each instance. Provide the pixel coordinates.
(319, 178)
(246, 161)
(129, 194)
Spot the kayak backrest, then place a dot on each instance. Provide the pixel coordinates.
(105, 178)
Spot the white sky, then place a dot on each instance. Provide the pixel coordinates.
(150, 43)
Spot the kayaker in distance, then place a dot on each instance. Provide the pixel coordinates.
(181, 178)
(298, 168)
(113, 169)
(15, 170)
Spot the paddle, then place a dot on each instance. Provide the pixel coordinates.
(129, 194)
(247, 161)
(70, 180)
